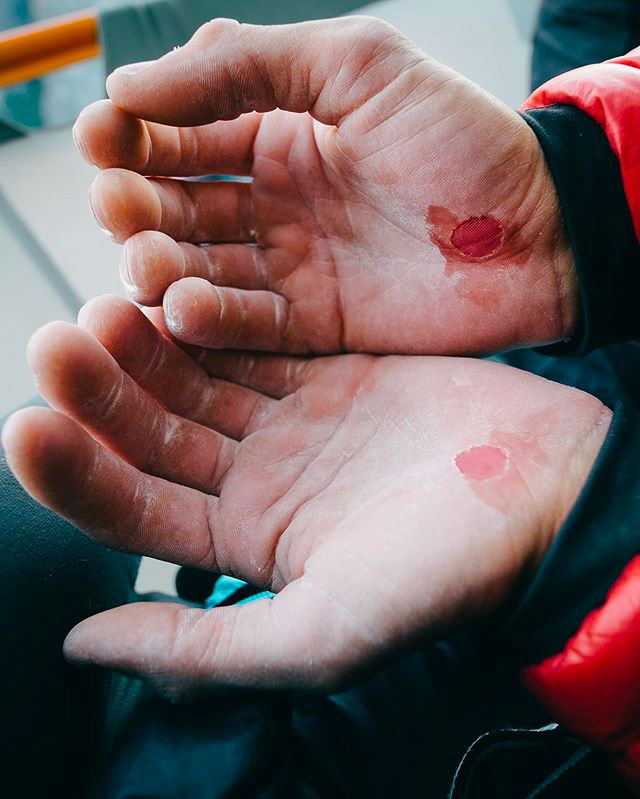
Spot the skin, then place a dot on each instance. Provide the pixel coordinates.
(329, 480)
(364, 155)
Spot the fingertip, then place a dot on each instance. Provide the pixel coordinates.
(151, 261)
(120, 327)
(18, 429)
(134, 637)
(47, 342)
(168, 90)
(119, 83)
(81, 140)
(74, 647)
(71, 367)
(124, 203)
(42, 449)
(191, 308)
(103, 312)
(94, 640)
(117, 325)
(106, 136)
(82, 643)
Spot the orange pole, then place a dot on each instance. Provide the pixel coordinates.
(33, 50)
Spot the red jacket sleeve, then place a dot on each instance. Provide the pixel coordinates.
(593, 686)
(610, 94)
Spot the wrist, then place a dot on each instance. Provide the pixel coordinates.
(561, 262)
(573, 469)
(588, 183)
(535, 265)
(551, 253)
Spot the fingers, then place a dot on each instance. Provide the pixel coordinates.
(125, 203)
(152, 261)
(274, 375)
(66, 470)
(108, 137)
(79, 377)
(168, 374)
(328, 68)
(271, 375)
(263, 644)
(227, 318)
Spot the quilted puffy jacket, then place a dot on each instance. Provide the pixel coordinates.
(588, 122)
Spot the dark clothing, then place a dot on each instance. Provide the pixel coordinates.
(571, 33)
(66, 727)
(51, 577)
(583, 563)
(596, 217)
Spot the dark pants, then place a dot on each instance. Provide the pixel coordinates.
(51, 576)
(75, 732)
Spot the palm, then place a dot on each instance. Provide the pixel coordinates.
(332, 481)
(346, 238)
(425, 221)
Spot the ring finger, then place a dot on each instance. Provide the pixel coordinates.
(125, 203)
(151, 261)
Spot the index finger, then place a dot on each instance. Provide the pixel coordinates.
(326, 67)
(109, 137)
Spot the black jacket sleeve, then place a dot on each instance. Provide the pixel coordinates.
(598, 223)
(602, 533)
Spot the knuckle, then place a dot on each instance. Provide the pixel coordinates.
(372, 32)
(214, 29)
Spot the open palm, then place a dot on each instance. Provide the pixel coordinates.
(382, 498)
(394, 206)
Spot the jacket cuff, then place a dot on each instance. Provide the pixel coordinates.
(605, 92)
(598, 224)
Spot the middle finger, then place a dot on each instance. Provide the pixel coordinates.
(125, 203)
(168, 374)
(80, 378)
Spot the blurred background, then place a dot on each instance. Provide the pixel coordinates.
(53, 257)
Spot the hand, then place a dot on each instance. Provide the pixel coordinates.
(382, 498)
(395, 206)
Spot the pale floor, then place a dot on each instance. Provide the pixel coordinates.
(46, 184)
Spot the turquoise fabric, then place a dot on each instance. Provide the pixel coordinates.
(140, 30)
(9, 131)
(226, 587)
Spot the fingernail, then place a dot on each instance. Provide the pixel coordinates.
(125, 272)
(96, 215)
(171, 314)
(132, 69)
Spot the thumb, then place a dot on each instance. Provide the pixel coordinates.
(263, 644)
(328, 68)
